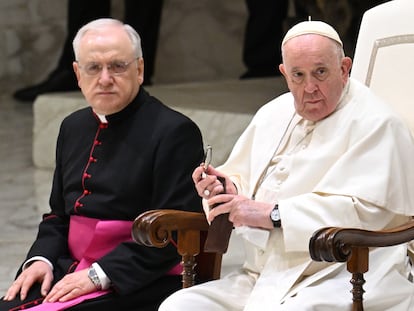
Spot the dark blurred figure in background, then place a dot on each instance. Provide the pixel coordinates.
(143, 15)
(263, 36)
(344, 15)
(268, 20)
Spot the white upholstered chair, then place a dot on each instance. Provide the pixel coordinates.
(384, 55)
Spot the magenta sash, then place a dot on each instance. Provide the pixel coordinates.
(90, 239)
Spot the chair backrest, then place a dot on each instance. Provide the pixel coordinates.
(384, 55)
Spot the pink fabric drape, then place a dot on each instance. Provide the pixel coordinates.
(90, 239)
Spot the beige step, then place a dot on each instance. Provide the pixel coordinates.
(222, 109)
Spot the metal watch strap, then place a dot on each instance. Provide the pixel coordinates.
(93, 276)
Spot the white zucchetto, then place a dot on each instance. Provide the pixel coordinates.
(312, 27)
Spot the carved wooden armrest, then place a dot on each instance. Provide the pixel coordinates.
(350, 245)
(155, 228)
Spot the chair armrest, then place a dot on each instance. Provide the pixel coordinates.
(155, 228)
(333, 244)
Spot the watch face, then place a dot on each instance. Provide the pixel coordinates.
(275, 216)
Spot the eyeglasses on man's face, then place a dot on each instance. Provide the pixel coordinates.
(115, 67)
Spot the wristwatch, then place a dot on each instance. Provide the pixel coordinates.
(275, 217)
(93, 276)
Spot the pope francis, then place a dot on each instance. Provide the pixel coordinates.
(328, 153)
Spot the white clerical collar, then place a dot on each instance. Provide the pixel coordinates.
(102, 118)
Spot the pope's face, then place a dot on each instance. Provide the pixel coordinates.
(316, 74)
(108, 72)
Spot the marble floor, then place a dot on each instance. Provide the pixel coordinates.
(18, 214)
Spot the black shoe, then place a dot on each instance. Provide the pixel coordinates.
(58, 81)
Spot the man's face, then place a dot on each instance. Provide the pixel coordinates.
(316, 74)
(103, 56)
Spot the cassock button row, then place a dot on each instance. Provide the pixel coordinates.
(86, 192)
(92, 159)
(86, 175)
(77, 204)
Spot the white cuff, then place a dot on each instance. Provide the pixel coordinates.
(35, 258)
(105, 281)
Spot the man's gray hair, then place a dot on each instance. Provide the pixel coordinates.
(104, 22)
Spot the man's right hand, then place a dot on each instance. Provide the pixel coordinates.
(39, 271)
(207, 183)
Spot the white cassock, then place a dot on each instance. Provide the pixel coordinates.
(352, 169)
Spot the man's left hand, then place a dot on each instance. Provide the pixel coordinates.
(242, 210)
(71, 286)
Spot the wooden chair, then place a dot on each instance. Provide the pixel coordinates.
(386, 38)
(333, 244)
